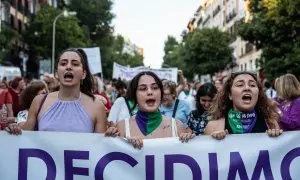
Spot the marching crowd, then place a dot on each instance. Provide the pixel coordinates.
(73, 100)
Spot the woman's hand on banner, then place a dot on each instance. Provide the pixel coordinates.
(112, 130)
(219, 135)
(274, 132)
(13, 129)
(185, 137)
(8, 120)
(137, 142)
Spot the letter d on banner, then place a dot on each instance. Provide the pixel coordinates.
(170, 160)
(24, 154)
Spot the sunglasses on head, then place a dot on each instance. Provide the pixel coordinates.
(234, 74)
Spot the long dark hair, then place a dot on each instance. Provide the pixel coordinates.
(134, 85)
(87, 83)
(264, 107)
(207, 89)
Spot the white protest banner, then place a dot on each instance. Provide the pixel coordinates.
(128, 73)
(58, 156)
(94, 59)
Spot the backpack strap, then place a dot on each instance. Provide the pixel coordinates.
(175, 108)
(174, 127)
(127, 128)
(36, 127)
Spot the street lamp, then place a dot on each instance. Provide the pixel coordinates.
(65, 14)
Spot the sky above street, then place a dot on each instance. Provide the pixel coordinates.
(147, 23)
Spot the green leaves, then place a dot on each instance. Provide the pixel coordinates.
(6, 37)
(117, 53)
(68, 32)
(275, 28)
(204, 51)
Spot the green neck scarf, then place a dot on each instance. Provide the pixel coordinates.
(148, 122)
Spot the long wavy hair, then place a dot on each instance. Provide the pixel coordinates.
(222, 104)
(86, 85)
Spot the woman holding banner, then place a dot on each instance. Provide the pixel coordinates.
(146, 91)
(242, 107)
(199, 118)
(71, 109)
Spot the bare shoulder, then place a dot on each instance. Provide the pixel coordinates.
(38, 99)
(101, 98)
(87, 100)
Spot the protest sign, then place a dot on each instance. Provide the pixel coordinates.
(127, 73)
(94, 59)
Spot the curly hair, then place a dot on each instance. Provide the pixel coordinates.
(222, 104)
(171, 86)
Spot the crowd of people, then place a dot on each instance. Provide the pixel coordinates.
(73, 100)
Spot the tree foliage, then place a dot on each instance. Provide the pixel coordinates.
(96, 17)
(7, 35)
(204, 51)
(275, 28)
(39, 35)
(120, 56)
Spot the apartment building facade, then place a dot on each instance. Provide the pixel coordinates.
(225, 14)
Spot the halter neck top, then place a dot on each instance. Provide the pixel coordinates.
(66, 116)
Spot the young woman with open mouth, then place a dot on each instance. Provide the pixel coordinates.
(71, 109)
(242, 107)
(146, 91)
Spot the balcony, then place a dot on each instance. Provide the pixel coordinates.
(206, 20)
(216, 11)
(249, 48)
(231, 16)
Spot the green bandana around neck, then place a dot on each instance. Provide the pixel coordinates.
(241, 122)
(148, 122)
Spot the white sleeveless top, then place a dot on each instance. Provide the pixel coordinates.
(127, 128)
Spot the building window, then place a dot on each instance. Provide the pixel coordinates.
(241, 67)
(19, 26)
(242, 51)
(256, 63)
(249, 47)
(251, 65)
(206, 20)
(5, 14)
(12, 3)
(20, 6)
(216, 11)
(26, 10)
(12, 21)
(245, 66)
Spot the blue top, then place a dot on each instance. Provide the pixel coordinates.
(183, 110)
